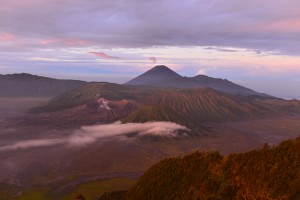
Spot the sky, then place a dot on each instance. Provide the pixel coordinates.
(253, 43)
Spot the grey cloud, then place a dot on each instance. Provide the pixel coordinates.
(90, 134)
(135, 23)
(153, 60)
(221, 49)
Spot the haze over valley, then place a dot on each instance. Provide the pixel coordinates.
(96, 132)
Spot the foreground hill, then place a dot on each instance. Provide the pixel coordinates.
(27, 85)
(163, 76)
(268, 173)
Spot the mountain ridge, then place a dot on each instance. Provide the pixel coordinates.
(28, 85)
(161, 75)
(190, 107)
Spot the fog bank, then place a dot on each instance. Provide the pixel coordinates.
(90, 134)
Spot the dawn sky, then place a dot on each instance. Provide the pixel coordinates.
(253, 43)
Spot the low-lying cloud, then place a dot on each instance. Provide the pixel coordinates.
(90, 134)
(32, 143)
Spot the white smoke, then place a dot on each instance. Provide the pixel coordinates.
(90, 134)
(201, 72)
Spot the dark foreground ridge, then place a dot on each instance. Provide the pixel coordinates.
(268, 173)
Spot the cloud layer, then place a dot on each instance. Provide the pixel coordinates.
(90, 134)
(271, 25)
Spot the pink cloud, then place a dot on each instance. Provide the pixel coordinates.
(276, 26)
(104, 55)
(292, 25)
(7, 37)
(48, 41)
(66, 42)
(75, 42)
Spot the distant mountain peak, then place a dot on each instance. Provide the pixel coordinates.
(21, 74)
(157, 74)
(200, 75)
(162, 69)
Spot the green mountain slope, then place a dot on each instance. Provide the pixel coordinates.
(268, 173)
(207, 104)
(148, 113)
(200, 104)
(205, 100)
(190, 106)
(92, 91)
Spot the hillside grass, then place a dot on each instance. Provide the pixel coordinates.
(271, 173)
